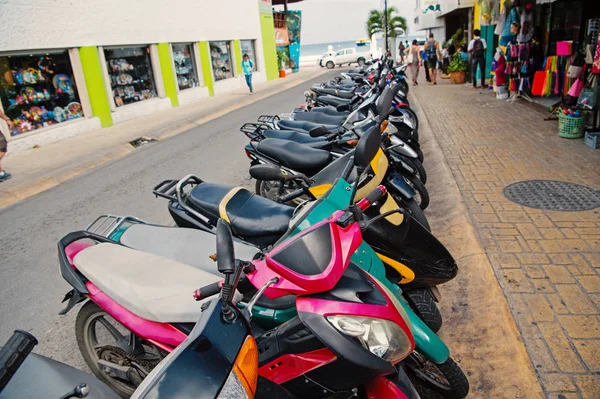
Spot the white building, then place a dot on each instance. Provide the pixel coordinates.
(74, 66)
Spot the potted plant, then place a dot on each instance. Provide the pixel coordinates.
(457, 69)
(282, 61)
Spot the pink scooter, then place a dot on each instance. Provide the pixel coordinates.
(348, 338)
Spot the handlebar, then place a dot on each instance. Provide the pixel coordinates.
(372, 197)
(207, 291)
(13, 354)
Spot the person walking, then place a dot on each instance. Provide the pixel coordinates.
(423, 55)
(247, 67)
(4, 175)
(432, 48)
(401, 50)
(413, 59)
(477, 47)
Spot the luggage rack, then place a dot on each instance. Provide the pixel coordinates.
(174, 190)
(269, 120)
(107, 225)
(254, 131)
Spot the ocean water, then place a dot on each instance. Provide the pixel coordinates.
(311, 50)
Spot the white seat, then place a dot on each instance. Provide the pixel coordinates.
(151, 286)
(189, 246)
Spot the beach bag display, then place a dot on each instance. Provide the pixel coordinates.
(576, 88)
(589, 95)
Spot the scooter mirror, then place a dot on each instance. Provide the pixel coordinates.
(318, 131)
(342, 108)
(225, 254)
(367, 147)
(267, 172)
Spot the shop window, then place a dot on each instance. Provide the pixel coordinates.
(220, 54)
(248, 48)
(38, 90)
(130, 73)
(185, 66)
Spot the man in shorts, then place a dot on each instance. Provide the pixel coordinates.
(4, 175)
(432, 48)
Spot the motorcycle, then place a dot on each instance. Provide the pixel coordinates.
(310, 367)
(28, 375)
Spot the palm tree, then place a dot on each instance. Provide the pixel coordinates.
(376, 22)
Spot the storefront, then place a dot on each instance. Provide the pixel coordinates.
(38, 90)
(92, 70)
(130, 74)
(221, 60)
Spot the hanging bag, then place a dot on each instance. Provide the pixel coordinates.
(589, 95)
(577, 86)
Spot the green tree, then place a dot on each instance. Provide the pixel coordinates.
(376, 22)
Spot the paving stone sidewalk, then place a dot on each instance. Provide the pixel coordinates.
(547, 262)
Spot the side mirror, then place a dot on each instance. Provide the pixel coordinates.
(340, 108)
(225, 254)
(367, 147)
(267, 172)
(318, 131)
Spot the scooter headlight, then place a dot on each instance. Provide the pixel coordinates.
(383, 338)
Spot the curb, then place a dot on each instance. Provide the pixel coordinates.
(10, 197)
(483, 335)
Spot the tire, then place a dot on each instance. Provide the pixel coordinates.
(88, 313)
(446, 378)
(418, 166)
(330, 65)
(420, 155)
(421, 189)
(424, 306)
(264, 189)
(415, 211)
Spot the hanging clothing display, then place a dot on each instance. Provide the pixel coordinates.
(596, 65)
(507, 35)
(526, 32)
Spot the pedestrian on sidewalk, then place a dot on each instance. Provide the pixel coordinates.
(401, 50)
(247, 66)
(423, 55)
(413, 59)
(432, 48)
(477, 48)
(4, 175)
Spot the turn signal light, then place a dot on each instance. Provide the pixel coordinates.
(246, 366)
(384, 126)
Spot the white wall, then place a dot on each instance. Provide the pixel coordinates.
(428, 20)
(27, 25)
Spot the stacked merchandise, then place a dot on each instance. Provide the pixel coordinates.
(553, 79)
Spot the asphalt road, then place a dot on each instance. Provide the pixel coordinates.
(31, 287)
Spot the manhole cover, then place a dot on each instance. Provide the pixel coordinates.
(553, 195)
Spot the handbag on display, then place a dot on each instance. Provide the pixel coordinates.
(589, 95)
(577, 86)
(539, 81)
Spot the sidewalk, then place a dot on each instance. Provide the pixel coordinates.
(40, 169)
(546, 263)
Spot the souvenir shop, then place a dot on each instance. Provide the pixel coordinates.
(548, 52)
(38, 90)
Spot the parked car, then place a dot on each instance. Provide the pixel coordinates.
(345, 56)
(327, 54)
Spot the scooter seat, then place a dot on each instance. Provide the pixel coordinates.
(348, 94)
(296, 156)
(318, 117)
(328, 111)
(302, 138)
(253, 218)
(189, 246)
(303, 126)
(334, 101)
(150, 286)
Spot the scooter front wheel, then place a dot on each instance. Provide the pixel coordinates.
(270, 190)
(113, 353)
(424, 306)
(421, 190)
(446, 378)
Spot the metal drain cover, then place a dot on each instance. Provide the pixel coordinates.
(553, 195)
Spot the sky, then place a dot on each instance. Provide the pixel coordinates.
(326, 21)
